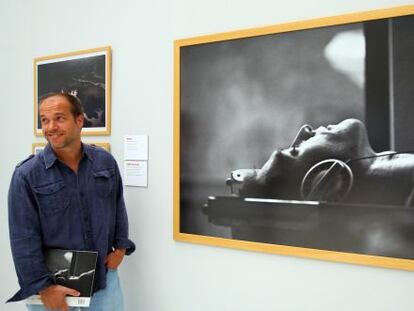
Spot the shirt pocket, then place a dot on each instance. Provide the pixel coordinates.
(104, 181)
(52, 198)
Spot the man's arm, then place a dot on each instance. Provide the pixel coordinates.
(122, 244)
(26, 245)
(26, 239)
(53, 297)
(114, 259)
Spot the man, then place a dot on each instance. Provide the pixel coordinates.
(69, 196)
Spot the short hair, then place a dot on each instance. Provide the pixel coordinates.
(75, 103)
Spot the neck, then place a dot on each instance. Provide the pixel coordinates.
(70, 155)
(382, 180)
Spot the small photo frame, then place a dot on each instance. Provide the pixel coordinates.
(37, 147)
(105, 146)
(85, 74)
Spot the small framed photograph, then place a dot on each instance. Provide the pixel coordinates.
(105, 146)
(37, 147)
(85, 74)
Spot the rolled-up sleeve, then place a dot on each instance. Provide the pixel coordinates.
(121, 240)
(26, 239)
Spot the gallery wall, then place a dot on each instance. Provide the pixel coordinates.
(164, 275)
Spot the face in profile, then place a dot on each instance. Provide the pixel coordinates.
(345, 140)
(282, 174)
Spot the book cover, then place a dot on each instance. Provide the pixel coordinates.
(74, 269)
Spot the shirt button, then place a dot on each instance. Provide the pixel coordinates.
(82, 194)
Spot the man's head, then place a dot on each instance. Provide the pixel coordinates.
(61, 118)
(75, 104)
(282, 174)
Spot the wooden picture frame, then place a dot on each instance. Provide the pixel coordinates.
(235, 101)
(86, 74)
(38, 146)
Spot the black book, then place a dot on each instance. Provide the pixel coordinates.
(74, 269)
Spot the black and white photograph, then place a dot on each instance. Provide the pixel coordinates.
(85, 74)
(73, 269)
(299, 138)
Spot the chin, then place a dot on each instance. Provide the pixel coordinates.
(57, 145)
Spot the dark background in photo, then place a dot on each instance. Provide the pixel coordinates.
(84, 77)
(242, 99)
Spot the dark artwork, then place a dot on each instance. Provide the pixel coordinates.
(259, 115)
(85, 78)
(73, 269)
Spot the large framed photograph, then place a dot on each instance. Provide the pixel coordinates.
(85, 74)
(295, 139)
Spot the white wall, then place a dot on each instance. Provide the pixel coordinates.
(163, 274)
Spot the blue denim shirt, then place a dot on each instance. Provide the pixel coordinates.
(51, 206)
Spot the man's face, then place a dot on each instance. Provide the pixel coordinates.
(287, 167)
(345, 140)
(59, 126)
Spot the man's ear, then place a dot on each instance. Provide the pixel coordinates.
(80, 119)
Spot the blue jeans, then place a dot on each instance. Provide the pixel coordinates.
(107, 299)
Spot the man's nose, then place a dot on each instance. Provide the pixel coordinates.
(304, 133)
(52, 125)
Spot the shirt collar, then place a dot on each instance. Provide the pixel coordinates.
(50, 156)
(87, 151)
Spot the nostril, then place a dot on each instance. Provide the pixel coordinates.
(304, 133)
(308, 127)
(308, 130)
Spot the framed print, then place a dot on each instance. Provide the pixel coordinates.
(295, 139)
(36, 147)
(105, 146)
(85, 74)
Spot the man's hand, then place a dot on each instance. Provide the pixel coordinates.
(53, 297)
(114, 258)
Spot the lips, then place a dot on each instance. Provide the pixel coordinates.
(322, 130)
(54, 136)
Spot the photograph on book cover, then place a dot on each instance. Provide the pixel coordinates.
(85, 74)
(73, 269)
(295, 139)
